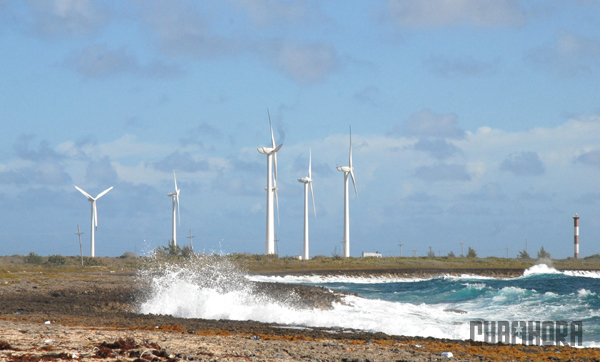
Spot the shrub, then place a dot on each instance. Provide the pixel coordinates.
(471, 253)
(127, 255)
(451, 255)
(430, 253)
(57, 260)
(33, 258)
(88, 261)
(186, 251)
(543, 254)
(523, 254)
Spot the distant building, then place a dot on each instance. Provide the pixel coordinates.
(298, 257)
(371, 255)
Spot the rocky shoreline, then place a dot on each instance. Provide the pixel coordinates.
(71, 316)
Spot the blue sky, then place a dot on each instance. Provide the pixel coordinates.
(473, 120)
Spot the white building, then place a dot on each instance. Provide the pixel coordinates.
(371, 255)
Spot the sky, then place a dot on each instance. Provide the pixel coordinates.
(472, 120)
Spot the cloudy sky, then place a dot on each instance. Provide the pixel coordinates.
(473, 120)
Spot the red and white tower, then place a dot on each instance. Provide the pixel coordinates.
(576, 220)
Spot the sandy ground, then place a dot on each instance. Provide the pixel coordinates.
(91, 316)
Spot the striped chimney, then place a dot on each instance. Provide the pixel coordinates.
(576, 220)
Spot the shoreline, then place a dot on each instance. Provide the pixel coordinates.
(401, 272)
(101, 308)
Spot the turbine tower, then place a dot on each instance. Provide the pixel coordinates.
(175, 197)
(307, 181)
(347, 170)
(94, 217)
(271, 189)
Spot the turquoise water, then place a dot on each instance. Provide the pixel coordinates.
(441, 307)
(542, 294)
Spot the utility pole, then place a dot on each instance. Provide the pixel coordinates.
(191, 237)
(525, 245)
(80, 247)
(439, 252)
(277, 243)
(414, 253)
(400, 244)
(461, 249)
(507, 252)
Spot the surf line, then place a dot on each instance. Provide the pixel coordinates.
(547, 333)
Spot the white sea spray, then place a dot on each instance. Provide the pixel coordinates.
(211, 287)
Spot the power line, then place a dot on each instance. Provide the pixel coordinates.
(191, 237)
(80, 246)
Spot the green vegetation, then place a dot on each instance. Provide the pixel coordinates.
(543, 254)
(523, 254)
(430, 253)
(57, 260)
(173, 251)
(471, 253)
(128, 262)
(33, 258)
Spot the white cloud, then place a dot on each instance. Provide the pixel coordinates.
(99, 60)
(458, 67)
(441, 13)
(429, 124)
(523, 164)
(306, 63)
(571, 55)
(183, 31)
(266, 12)
(65, 18)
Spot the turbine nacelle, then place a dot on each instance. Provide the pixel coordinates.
(345, 168)
(175, 196)
(269, 150)
(305, 180)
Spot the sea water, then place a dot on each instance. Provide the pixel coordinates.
(440, 307)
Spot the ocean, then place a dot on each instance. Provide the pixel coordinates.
(441, 307)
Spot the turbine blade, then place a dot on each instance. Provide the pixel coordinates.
(271, 126)
(95, 213)
(104, 192)
(310, 164)
(313, 197)
(350, 158)
(175, 177)
(275, 166)
(354, 183)
(178, 211)
(84, 193)
(276, 201)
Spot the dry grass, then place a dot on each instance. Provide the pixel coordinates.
(13, 267)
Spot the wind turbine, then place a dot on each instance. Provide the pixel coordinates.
(271, 153)
(176, 212)
(94, 216)
(347, 170)
(307, 181)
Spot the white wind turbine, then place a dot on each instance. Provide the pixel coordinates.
(307, 181)
(271, 153)
(347, 170)
(176, 212)
(94, 216)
